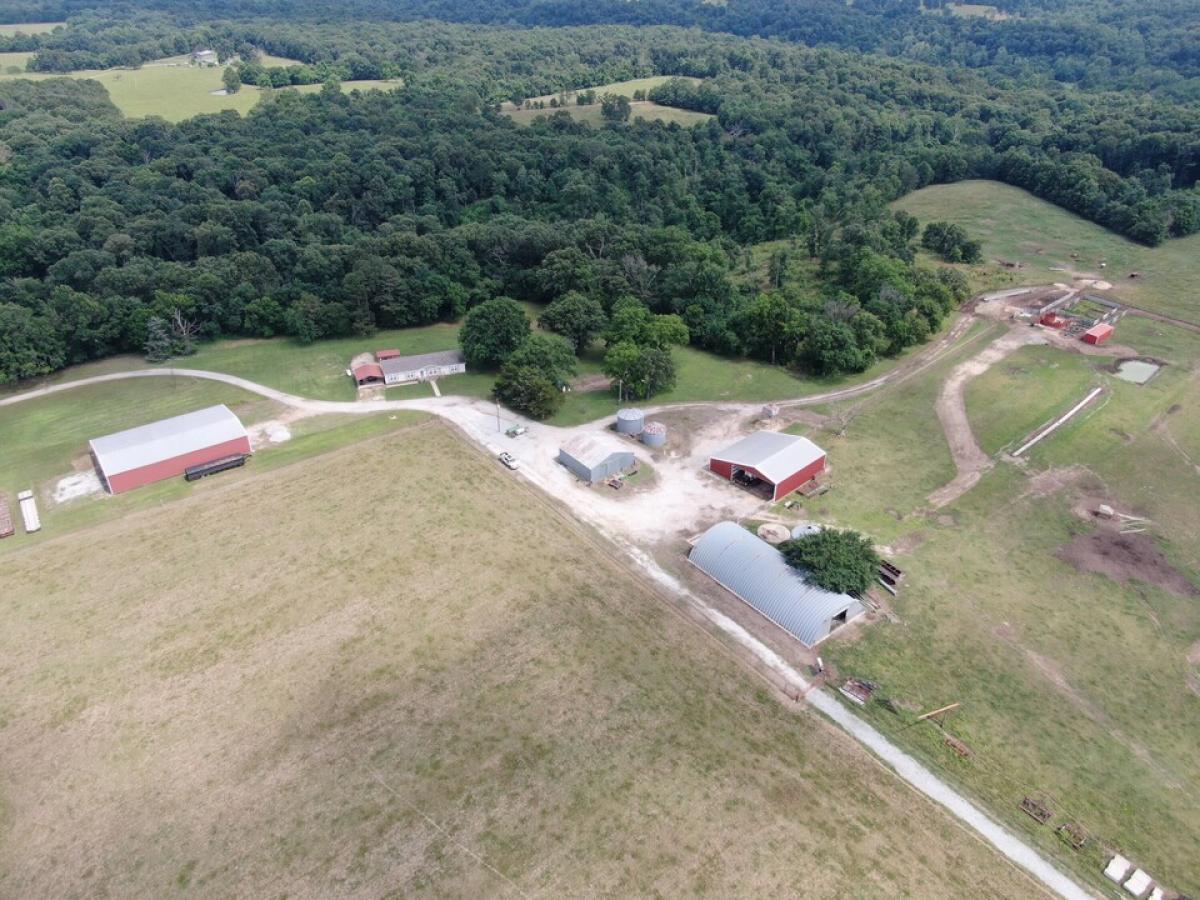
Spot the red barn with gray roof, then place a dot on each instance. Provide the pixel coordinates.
(164, 449)
(785, 461)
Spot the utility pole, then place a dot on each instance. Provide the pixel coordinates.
(497, 416)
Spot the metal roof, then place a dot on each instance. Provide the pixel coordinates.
(773, 454)
(165, 439)
(592, 450)
(408, 363)
(366, 370)
(758, 574)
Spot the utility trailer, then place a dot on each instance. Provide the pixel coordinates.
(195, 473)
(29, 512)
(6, 522)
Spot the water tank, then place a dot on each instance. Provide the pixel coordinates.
(629, 421)
(654, 434)
(804, 529)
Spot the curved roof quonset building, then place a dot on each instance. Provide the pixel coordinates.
(757, 574)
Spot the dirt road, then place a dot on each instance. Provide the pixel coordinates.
(969, 459)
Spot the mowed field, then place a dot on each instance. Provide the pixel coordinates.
(176, 92)
(29, 27)
(392, 670)
(46, 440)
(641, 109)
(1074, 650)
(1017, 227)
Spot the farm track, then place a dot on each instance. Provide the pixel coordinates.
(1162, 317)
(752, 652)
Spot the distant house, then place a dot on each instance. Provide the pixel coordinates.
(425, 367)
(594, 458)
(205, 57)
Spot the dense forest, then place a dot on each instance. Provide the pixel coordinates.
(329, 214)
(1097, 44)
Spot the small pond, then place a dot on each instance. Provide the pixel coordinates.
(1139, 371)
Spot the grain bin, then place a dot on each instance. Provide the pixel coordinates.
(629, 421)
(654, 434)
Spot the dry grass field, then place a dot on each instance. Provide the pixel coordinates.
(391, 669)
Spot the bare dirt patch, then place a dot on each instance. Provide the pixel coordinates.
(75, 485)
(1051, 481)
(1122, 557)
(591, 383)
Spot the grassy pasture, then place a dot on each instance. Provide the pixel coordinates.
(177, 92)
(1025, 390)
(14, 62)
(642, 109)
(270, 61)
(1074, 687)
(1017, 227)
(262, 698)
(46, 439)
(30, 28)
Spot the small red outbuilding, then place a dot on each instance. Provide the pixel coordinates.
(367, 373)
(164, 449)
(1097, 334)
(785, 461)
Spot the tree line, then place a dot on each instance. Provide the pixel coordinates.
(326, 214)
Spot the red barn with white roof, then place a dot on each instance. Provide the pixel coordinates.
(164, 449)
(785, 461)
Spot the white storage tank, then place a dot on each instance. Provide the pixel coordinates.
(630, 421)
(654, 434)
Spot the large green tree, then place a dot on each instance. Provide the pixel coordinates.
(837, 560)
(492, 331)
(577, 317)
(528, 390)
(640, 372)
(549, 354)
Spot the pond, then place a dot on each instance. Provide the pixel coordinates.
(1138, 371)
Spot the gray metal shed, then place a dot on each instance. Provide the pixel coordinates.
(594, 458)
(757, 574)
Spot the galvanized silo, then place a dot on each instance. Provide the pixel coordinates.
(654, 434)
(804, 529)
(630, 421)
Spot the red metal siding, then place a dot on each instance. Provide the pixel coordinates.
(782, 488)
(173, 467)
(1097, 334)
(809, 472)
(724, 469)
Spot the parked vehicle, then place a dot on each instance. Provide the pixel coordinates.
(509, 460)
(515, 431)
